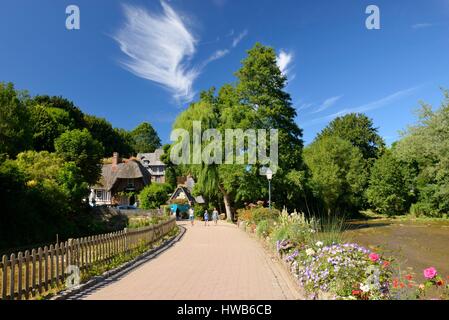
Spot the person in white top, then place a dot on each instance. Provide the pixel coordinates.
(215, 216)
(191, 216)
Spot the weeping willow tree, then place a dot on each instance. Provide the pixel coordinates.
(256, 101)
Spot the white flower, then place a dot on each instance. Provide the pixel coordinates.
(364, 287)
(319, 244)
(310, 252)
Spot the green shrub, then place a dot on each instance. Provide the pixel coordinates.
(264, 228)
(422, 209)
(261, 214)
(154, 195)
(199, 210)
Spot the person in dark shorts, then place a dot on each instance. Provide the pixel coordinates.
(206, 218)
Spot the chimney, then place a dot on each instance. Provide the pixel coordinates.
(115, 160)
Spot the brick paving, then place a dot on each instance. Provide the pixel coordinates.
(208, 263)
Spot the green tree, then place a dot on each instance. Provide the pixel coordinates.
(113, 140)
(61, 103)
(124, 142)
(15, 135)
(47, 124)
(261, 89)
(338, 174)
(80, 147)
(154, 195)
(358, 129)
(39, 166)
(389, 188)
(426, 147)
(72, 183)
(257, 101)
(145, 138)
(171, 170)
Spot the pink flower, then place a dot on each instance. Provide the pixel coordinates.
(374, 257)
(430, 273)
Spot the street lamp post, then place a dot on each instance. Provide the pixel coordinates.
(269, 174)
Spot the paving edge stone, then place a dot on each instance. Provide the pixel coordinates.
(294, 285)
(126, 267)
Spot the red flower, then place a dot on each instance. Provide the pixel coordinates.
(356, 292)
(440, 283)
(386, 264)
(402, 285)
(395, 283)
(374, 257)
(409, 277)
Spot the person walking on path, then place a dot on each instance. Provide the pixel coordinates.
(191, 216)
(215, 216)
(206, 218)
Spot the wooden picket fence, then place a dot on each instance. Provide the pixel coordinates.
(24, 275)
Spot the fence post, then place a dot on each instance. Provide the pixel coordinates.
(19, 276)
(12, 276)
(5, 276)
(69, 252)
(125, 232)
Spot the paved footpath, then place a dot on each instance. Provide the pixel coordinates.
(208, 263)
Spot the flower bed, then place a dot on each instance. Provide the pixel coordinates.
(326, 268)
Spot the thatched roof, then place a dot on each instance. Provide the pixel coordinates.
(188, 194)
(131, 169)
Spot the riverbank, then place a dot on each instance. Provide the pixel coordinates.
(416, 244)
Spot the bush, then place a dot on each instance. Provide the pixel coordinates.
(154, 195)
(422, 209)
(260, 214)
(245, 215)
(264, 228)
(199, 210)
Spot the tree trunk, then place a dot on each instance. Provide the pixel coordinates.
(227, 203)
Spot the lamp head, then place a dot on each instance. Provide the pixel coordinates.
(269, 174)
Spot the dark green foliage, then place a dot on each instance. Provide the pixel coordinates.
(359, 130)
(389, 192)
(338, 174)
(145, 138)
(112, 139)
(63, 104)
(47, 124)
(80, 147)
(425, 147)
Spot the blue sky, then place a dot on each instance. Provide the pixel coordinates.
(135, 61)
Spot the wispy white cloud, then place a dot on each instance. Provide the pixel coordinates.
(422, 25)
(216, 55)
(159, 48)
(239, 38)
(383, 102)
(284, 60)
(303, 106)
(328, 103)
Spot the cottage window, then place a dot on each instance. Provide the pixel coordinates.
(99, 194)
